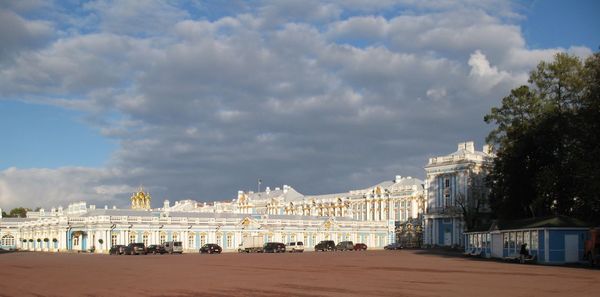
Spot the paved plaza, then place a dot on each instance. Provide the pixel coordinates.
(372, 273)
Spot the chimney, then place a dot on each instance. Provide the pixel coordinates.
(105, 206)
(461, 146)
(166, 204)
(285, 188)
(398, 178)
(114, 207)
(267, 190)
(470, 146)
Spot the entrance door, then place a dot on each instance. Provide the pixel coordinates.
(571, 248)
(497, 245)
(447, 238)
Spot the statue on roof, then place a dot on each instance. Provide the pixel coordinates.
(140, 199)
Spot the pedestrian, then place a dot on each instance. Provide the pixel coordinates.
(524, 253)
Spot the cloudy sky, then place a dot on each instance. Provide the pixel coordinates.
(198, 100)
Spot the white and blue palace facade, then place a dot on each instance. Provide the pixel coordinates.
(373, 215)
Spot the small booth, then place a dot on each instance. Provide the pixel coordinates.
(551, 240)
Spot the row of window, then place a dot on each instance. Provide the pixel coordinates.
(514, 240)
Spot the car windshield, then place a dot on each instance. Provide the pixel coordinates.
(177, 243)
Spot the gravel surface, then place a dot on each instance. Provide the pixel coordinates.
(371, 273)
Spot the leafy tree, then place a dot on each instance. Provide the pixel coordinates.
(546, 136)
(475, 208)
(19, 212)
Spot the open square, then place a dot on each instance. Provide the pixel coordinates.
(371, 273)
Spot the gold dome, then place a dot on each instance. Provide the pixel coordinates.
(140, 200)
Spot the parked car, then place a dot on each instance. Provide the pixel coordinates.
(344, 246)
(155, 249)
(360, 247)
(295, 247)
(172, 247)
(274, 247)
(137, 248)
(210, 248)
(117, 250)
(393, 246)
(325, 245)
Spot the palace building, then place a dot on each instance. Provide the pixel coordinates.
(404, 209)
(455, 183)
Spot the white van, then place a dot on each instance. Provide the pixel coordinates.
(295, 247)
(173, 247)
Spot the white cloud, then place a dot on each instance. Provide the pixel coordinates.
(294, 92)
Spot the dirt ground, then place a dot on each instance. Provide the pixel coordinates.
(372, 273)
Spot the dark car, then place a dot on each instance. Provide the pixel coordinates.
(155, 249)
(325, 245)
(137, 248)
(117, 250)
(210, 248)
(344, 246)
(274, 247)
(360, 247)
(393, 246)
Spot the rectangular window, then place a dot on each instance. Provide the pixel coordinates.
(163, 238)
(526, 239)
(113, 239)
(519, 239)
(534, 240)
(132, 238)
(145, 239)
(505, 237)
(202, 240)
(511, 241)
(219, 239)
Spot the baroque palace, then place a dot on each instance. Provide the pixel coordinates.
(395, 210)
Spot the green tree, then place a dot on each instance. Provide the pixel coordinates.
(545, 135)
(19, 212)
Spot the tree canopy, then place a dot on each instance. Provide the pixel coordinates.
(18, 212)
(546, 137)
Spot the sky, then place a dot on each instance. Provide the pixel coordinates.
(200, 99)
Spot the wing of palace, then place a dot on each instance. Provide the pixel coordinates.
(376, 216)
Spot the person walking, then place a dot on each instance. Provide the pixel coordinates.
(524, 252)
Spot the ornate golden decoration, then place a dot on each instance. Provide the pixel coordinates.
(140, 199)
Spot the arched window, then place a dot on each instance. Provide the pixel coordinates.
(202, 239)
(8, 240)
(132, 237)
(229, 242)
(191, 238)
(219, 239)
(145, 238)
(163, 238)
(175, 236)
(113, 239)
